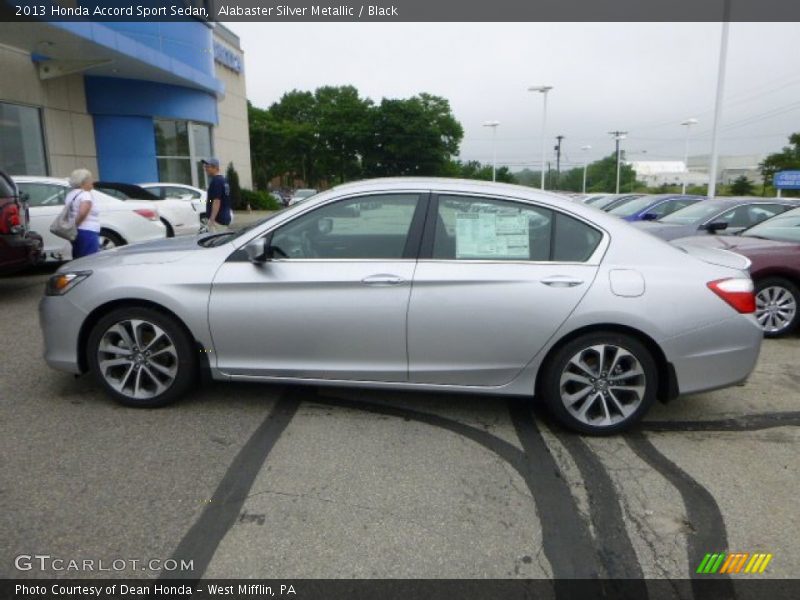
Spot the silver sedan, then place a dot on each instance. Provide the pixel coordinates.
(427, 284)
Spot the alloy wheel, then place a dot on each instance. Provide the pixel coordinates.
(137, 358)
(602, 385)
(776, 308)
(106, 243)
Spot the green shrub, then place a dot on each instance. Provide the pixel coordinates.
(259, 200)
(235, 190)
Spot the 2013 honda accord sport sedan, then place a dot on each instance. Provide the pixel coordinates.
(428, 284)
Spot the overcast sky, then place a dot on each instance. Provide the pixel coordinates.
(640, 78)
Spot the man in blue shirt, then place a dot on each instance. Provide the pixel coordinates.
(218, 198)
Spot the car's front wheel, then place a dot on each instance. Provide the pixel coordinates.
(777, 301)
(600, 383)
(142, 357)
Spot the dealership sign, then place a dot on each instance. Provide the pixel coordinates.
(227, 57)
(787, 180)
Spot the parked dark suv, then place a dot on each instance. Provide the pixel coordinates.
(19, 248)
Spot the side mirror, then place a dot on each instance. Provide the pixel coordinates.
(325, 226)
(716, 226)
(649, 217)
(256, 250)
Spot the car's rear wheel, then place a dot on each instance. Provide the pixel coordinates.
(142, 357)
(110, 239)
(600, 383)
(777, 302)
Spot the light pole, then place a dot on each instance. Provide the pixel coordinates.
(585, 164)
(493, 125)
(543, 89)
(688, 124)
(618, 137)
(723, 57)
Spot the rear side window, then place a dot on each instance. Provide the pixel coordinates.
(43, 194)
(574, 240)
(475, 228)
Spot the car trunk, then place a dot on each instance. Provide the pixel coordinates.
(716, 256)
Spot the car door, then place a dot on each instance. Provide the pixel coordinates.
(495, 280)
(332, 302)
(45, 202)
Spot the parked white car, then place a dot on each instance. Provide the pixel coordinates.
(122, 222)
(179, 191)
(180, 217)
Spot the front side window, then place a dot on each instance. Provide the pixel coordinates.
(43, 194)
(748, 215)
(180, 146)
(366, 227)
(785, 228)
(21, 140)
(470, 228)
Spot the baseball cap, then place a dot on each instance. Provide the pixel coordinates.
(214, 162)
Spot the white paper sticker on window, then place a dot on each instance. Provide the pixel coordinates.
(487, 235)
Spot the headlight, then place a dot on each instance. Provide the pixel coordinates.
(61, 283)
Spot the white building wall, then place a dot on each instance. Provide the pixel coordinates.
(232, 134)
(68, 128)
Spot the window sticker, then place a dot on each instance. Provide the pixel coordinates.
(487, 235)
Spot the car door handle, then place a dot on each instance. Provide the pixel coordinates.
(561, 281)
(382, 279)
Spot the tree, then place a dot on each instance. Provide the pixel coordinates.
(601, 177)
(742, 186)
(334, 135)
(475, 170)
(235, 189)
(416, 136)
(787, 159)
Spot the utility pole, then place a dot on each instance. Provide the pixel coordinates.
(558, 161)
(618, 136)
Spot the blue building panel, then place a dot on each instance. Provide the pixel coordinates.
(133, 97)
(126, 148)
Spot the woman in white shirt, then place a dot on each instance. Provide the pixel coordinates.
(83, 209)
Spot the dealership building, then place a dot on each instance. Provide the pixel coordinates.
(133, 102)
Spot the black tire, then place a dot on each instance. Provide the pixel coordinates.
(559, 363)
(114, 238)
(185, 362)
(790, 289)
(170, 231)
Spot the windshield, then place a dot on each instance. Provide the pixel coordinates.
(631, 207)
(692, 214)
(212, 241)
(783, 228)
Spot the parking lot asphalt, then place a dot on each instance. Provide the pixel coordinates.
(287, 481)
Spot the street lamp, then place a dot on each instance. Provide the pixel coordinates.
(585, 164)
(618, 137)
(493, 125)
(542, 89)
(688, 124)
(723, 59)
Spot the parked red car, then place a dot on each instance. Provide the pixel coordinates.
(19, 248)
(774, 248)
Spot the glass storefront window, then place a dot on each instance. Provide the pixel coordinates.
(21, 140)
(180, 146)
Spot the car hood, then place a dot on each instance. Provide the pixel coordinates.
(154, 252)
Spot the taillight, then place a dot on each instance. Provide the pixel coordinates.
(147, 213)
(9, 219)
(739, 293)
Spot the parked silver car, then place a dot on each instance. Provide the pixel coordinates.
(429, 284)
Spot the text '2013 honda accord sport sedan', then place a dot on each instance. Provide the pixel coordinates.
(428, 284)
